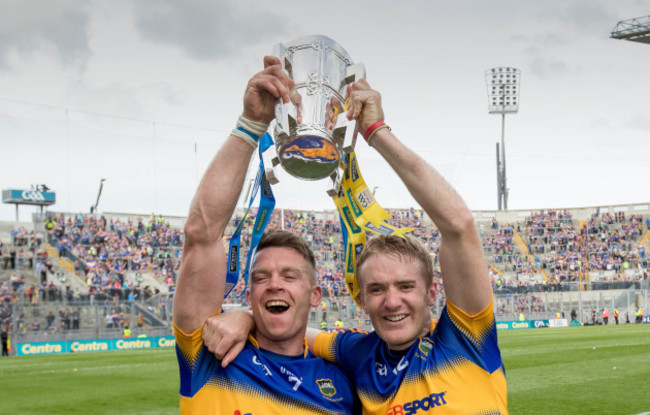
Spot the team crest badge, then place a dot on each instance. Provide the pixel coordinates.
(425, 346)
(326, 387)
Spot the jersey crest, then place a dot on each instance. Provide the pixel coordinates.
(326, 387)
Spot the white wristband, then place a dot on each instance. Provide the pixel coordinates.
(247, 138)
(254, 127)
(249, 131)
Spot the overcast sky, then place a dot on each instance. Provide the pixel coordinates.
(142, 93)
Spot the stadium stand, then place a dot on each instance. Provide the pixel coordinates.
(90, 276)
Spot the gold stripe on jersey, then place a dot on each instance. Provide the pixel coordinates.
(244, 389)
(476, 327)
(463, 376)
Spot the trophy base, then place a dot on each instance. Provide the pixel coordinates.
(309, 157)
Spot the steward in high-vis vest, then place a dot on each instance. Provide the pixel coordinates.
(323, 309)
(50, 224)
(616, 314)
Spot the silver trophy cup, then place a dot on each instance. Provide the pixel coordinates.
(312, 132)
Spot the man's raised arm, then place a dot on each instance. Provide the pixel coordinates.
(463, 267)
(201, 282)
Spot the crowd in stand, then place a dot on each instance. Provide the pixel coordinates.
(576, 253)
(613, 247)
(26, 251)
(558, 252)
(553, 240)
(103, 251)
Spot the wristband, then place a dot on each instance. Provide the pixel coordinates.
(250, 139)
(249, 131)
(370, 131)
(256, 128)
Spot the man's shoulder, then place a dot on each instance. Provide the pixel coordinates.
(337, 344)
(355, 341)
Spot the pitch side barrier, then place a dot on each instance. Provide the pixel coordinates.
(531, 324)
(99, 345)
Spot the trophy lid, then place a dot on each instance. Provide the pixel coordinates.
(315, 39)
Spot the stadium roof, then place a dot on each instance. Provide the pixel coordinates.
(636, 30)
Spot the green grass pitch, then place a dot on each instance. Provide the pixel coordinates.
(578, 370)
(575, 370)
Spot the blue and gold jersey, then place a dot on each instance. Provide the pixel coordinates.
(259, 382)
(455, 369)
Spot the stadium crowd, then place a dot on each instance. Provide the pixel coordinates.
(105, 250)
(573, 253)
(553, 250)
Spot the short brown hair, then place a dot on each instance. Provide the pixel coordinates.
(283, 239)
(406, 247)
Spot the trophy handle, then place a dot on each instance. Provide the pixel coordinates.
(337, 180)
(352, 73)
(282, 127)
(270, 158)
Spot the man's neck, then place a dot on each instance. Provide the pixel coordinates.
(290, 347)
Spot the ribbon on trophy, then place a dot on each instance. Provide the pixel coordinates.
(359, 212)
(354, 239)
(266, 206)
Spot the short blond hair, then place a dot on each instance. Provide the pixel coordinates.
(406, 247)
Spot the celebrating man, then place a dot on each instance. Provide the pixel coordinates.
(275, 373)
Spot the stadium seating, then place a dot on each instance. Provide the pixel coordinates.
(129, 266)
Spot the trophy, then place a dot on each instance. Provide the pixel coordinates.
(312, 132)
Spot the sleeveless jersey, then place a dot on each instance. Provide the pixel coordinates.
(455, 369)
(259, 381)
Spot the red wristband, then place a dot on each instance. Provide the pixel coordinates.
(372, 129)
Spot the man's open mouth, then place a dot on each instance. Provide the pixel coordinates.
(396, 318)
(277, 307)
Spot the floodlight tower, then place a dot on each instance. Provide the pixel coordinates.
(635, 30)
(503, 98)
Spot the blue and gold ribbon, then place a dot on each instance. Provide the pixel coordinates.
(354, 239)
(367, 211)
(359, 212)
(267, 203)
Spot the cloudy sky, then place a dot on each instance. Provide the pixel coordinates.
(142, 93)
